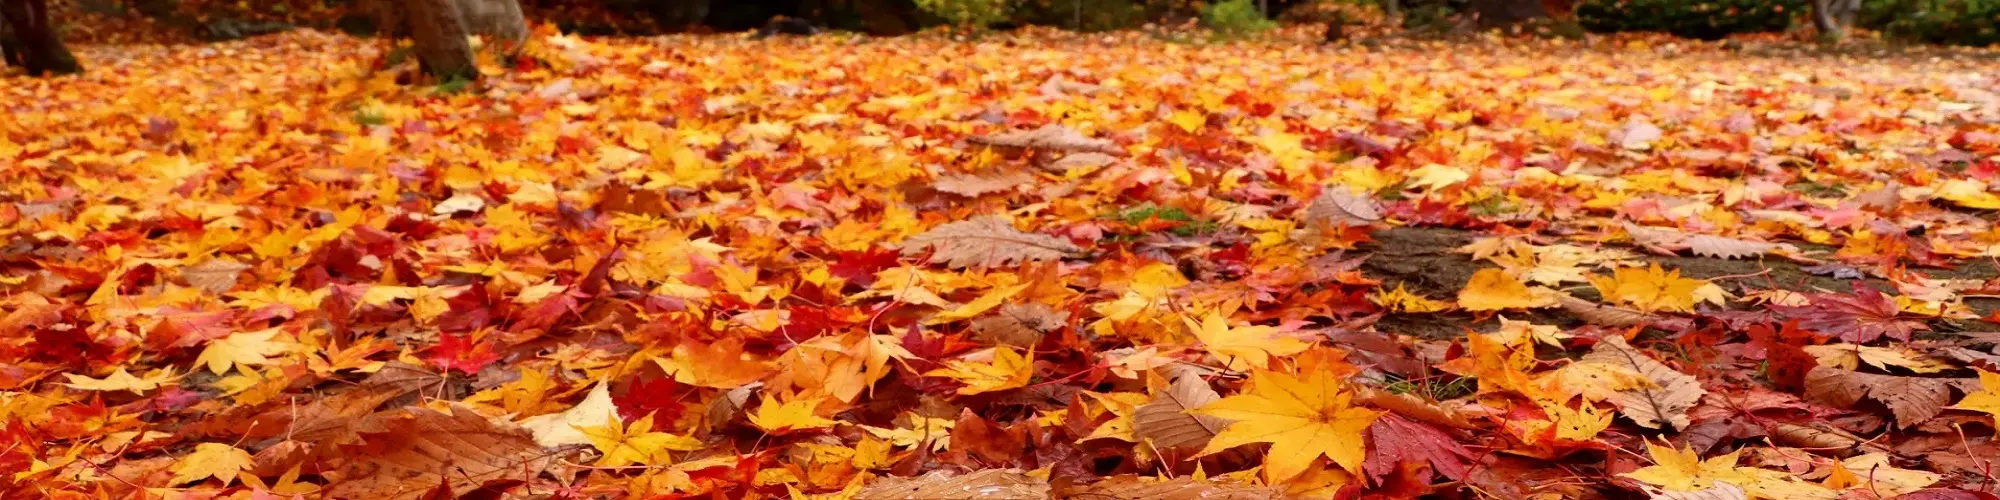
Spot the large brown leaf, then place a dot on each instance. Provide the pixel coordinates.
(1049, 137)
(999, 484)
(1179, 488)
(421, 448)
(986, 242)
(1663, 405)
(1166, 423)
(1911, 399)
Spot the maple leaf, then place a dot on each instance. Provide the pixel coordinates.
(1007, 370)
(1649, 289)
(1303, 419)
(974, 185)
(783, 418)
(985, 241)
(1860, 317)
(1911, 399)
(1393, 440)
(660, 397)
(420, 448)
(1986, 399)
(247, 348)
(635, 444)
(1246, 347)
(215, 460)
(216, 275)
(1684, 470)
(121, 380)
(458, 352)
(1166, 423)
(1662, 402)
(1052, 137)
(1493, 289)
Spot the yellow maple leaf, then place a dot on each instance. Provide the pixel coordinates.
(121, 380)
(1649, 289)
(1008, 370)
(773, 417)
(993, 298)
(215, 460)
(247, 348)
(1684, 470)
(1500, 364)
(1987, 398)
(1403, 301)
(1246, 347)
(635, 444)
(1493, 289)
(1122, 406)
(1303, 419)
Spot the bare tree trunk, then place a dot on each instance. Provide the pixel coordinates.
(1827, 20)
(440, 36)
(1393, 9)
(1497, 13)
(499, 21)
(31, 42)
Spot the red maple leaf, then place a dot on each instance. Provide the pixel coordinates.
(860, 267)
(458, 352)
(1784, 349)
(659, 396)
(1860, 317)
(1394, 439)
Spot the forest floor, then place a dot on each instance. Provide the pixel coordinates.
(1021, 266)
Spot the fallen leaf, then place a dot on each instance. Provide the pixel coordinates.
(215, 460)
(1302, 418)
(1660, 405)
(986, 241)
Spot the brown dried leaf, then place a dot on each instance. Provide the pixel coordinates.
(1005, 484)
(1051, 137)
(1413, 407)
(1020, 325)
(1728, 248)
(1823, 438)
(1179, 488)
(975, 185)
(1336, 206)
(1075, 161)
(423, 448)
(1603, 315)
(217, 275)
(1664, 404)
(1166, 423)
(986, 241)
(1911, 399)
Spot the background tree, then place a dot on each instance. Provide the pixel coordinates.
(1832, 17)
(440, 27)
(29, 40)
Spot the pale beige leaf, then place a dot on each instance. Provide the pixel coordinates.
(974, 185)
(1824, 438)
(986, 241)
(1179, 488)
(1337, 206)
(1166, 423)
(1666, 403)
(1603, 315)
(557, 429)
(217, 275)
(1000, 484)
(1080, 161)
(1409, 405)
(1050, 137)
(421, 448)
(1019, 325)
(726, 408)
(1727, 248)
(1721, 491)
(1911, 400)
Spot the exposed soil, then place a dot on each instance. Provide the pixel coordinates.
(1423, 260)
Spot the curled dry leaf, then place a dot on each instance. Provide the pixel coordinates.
(1911, 399)
(1336, 206)
(1721, 491)
(420, 448)
(1019, 325)
(1079, 161)
(1603, 315)
(1051, 137)
(1000, 484)
(1166, 423)
(1823, 438)
(975, 185)
(1728, 248)
(217, 275)
(986, 241)
(1665, 403)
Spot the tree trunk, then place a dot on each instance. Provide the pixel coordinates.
(1498, 13)
(1393, 9)
(500, 21)
(31, 42)
(440, 40)
(1827, 20)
